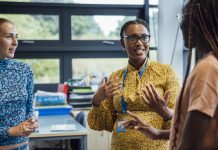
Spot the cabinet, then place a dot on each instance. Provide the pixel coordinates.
(97, 140)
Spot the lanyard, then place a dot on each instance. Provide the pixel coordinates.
(140, 73)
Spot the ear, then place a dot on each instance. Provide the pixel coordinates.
(122, 43)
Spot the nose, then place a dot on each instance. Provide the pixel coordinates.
(15, 41)
(139, 42)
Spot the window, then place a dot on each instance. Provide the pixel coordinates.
(87, 67)
(132, 2)
(153, 54)
(63, 39)
(153, 25)
(45, 70)
(153, 2)
(97, 27)
(35, 27)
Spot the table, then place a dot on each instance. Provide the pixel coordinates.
(45, 133)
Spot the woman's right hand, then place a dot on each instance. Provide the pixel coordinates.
(24, 128)
(106, 90)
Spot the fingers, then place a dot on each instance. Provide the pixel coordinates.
(23, 129)
(152, 95)
(166, 96)
(134, 116)
(112, 81)
(28, 120)
(113, 87)
(130, 124)
(135, 123)
(131, 114)
(145, 97)
(145, 100)
(30, 125)
(103, 82)
(156, 95)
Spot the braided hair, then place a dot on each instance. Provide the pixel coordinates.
(203, 18)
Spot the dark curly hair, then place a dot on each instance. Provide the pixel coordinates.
(136, 21)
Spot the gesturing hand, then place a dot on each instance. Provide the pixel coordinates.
(156, 102)
(140, 125)
(112, 87)
(106, 90)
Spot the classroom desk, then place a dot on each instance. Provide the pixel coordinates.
(45, 133)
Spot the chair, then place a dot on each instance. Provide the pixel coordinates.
(75, 144)
(80, 118)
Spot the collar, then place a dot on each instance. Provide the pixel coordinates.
(132, 68)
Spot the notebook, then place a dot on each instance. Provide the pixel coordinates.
(63, 127)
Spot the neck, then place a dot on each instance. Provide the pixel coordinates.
(204, 49)
(2, 58)
(203, 46)
(137, 64)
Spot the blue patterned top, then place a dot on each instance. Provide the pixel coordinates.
(16, 98)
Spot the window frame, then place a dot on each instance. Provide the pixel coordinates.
(66, 49)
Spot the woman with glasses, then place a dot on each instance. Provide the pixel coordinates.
(135, 88)
(16, 93)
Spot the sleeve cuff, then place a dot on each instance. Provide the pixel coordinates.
(4, 131)
(167, 124)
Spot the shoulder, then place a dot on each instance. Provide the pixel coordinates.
(159, 67)
(204, 80)
(205, 74)
(20, 66)
(207, 64)
(117, 73)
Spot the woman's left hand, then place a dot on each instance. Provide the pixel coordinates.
(156, 102)
(140, 125)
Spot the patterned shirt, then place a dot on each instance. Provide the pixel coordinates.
(106, 116)
(16, 98)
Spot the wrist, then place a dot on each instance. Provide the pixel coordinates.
(168, 115)
(11, 131)
(98, 97)
(96, 103)
(157, 134)
(162, 134)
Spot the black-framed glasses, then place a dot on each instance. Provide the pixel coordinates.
(134, 38)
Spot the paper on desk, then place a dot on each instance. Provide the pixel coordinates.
(63, 127)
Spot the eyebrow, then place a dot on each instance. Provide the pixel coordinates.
(138, 34)
(12, 34)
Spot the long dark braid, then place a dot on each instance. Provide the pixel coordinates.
(206, 17)
(203, 17)
(186, 74)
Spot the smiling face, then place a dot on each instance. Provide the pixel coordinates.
(8, 40)
(137, 52)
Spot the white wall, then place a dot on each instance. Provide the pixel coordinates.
(168, 25)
